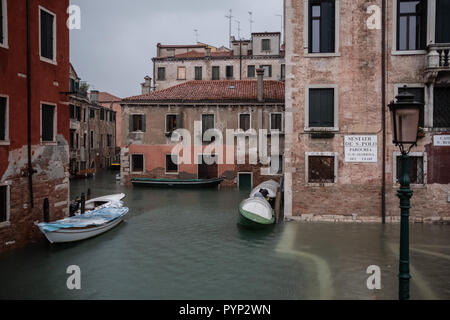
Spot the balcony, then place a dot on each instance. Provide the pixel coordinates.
(437, 61)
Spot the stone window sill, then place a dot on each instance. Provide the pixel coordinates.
(409, 52)
(5, 224)
(322, 55)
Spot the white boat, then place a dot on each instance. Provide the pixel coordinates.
(109, 201)
(83, 226)
(254, 212)
(271, 186)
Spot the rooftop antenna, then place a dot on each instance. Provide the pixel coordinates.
(230, 17)
(239, 29)
(281, 29)
(251, 22)
(196, 35)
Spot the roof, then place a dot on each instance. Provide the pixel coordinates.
(182, 46)
(107, 97)
(215, 90)
(196, 54)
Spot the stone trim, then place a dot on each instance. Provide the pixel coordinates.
(354, 218)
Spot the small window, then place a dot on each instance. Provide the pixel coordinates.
(442, 21)
(267, 71)
(137, 163)
(84, 140)
(4, 205)
(215, 73)
(411, 24)
(171, 163)
(3, 119)
(47, 33)
(415, 169)
(321, 26)
(108, 137)
(321, 169)
(283, 72)
(229, 72)
(276, 122)
(181, 73)
(137, 123)
(72, 111)
(102, 114)
(276, 164)
(171, 123)
(48, 123)
(265, 44)
(3, 24)
(78, 113)
(198, 73)
(91, 113)
(161, 73)
(77, 141)
(321, 108)
(207, 123)
(251, 73)
(244, 121)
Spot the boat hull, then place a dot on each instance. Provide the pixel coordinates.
(78, 234)
(161, 183)
(253, 220)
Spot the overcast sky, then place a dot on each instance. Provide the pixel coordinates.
(117, 40)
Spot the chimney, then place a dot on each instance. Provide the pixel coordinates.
(260, 75)
(94, 95)
(208, 52)
(147, 85)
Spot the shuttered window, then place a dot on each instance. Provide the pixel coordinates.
(198, 73)
(321, 108)
(215, 73)
(419, 95)
(102, 114)
(137, 123)
(3, 204)
(173, 122)
(47, 35)
(161, 73)
(137, 163)
(265, 43)
(442, 21)
(3, 118)
(48, 114)
(411, 24)
(276, 122)
(267, 71)
(251, 72)
(229, 71)
(244, 121)
(322, 26)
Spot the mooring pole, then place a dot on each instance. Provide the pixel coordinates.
(83, 203)
(46, 208)
(88, 194)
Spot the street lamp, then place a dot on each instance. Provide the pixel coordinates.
(405, 124)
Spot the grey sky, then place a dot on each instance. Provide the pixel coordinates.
(118, 38)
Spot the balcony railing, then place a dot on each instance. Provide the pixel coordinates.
(437, 60)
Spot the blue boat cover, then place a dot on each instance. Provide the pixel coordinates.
(93, 218)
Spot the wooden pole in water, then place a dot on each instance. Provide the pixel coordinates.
(46, 208)
(277, 207)
(88, 194)
(83, 203)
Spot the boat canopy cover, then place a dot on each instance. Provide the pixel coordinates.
(271, 186)
(93, 218)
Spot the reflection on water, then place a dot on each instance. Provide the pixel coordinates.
(186, 244)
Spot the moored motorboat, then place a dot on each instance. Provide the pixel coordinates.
(271, 186)
(177, 183)
(109, 201)
(84, 226)
(256, 212)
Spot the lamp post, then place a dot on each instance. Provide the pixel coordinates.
(405, 124)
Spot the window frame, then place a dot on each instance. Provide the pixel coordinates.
(6, 141)
(335, 128)
(254, 71)
(270, 70)
(214, 124)
(177, 164)
(212, 72)
(227, 68)
(195, 72)
(142, 123)
(322, 154)
(7, 222)
(164, 70)
(54, 60)
(239, 121)
(423, 155)
(281, 158)
(178, 73)
(282, 122)
(132, 166)
(263, 41)
(306, 32)
(55, 123)
(4, 44)
(165, 121)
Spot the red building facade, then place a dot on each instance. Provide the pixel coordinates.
(34, 116)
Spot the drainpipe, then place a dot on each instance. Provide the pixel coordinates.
(30, 165)
(383, 107)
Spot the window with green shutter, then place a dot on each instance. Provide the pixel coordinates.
(265, 44)
(251, 73)
(161, 73)
(137, 123)
(215, 73)
(47, 34)
(321, 108)
(47, 123)
(198, 73)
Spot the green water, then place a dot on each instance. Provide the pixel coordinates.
(185, 244)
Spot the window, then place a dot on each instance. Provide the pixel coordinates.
(172, 123)
(215, 73)
(161, 73)
(137, 123)
(441, 108)
(265, 45)
(3, 24)
(47, 35)
(72, 138)
(415, 169)
(251, 73)
(171, 163)
(411, 24)
(244, 121)
(229, 72)
(283, 72)
(321, 108)
(321, 169)
(207, 123)
(322, 26)
(267, 71)
(48, 123)
(276, 164)
(91, 113)
(4, 204)
(108, 142)
(72, 111)
(77, 141)
(442, 21)
(276, 122)
(92, 140)
(181, 73)
(84, 140)
(78, 113)
(4, 121)
(137, 163)
(419, 94)
(198, 73)
(102, 114)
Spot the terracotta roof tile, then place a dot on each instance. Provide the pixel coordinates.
(216, 90)
(196, 54)
(105, 96)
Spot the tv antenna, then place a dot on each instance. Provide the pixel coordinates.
(239, 29)
(196, 35)
(230, 17)
(251, 22)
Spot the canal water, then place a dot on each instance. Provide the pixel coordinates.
(186, 244)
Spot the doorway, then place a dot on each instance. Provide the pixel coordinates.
(245, 180)
(208, 167)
